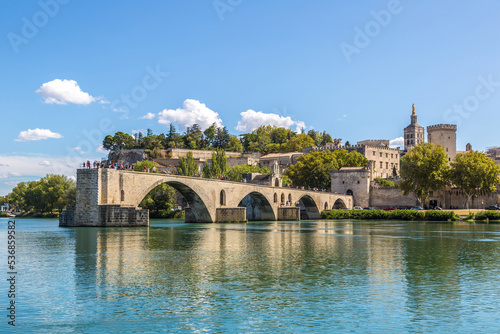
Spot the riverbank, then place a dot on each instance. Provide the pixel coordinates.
(414, 215)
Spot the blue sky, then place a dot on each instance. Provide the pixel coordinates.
(74, 71)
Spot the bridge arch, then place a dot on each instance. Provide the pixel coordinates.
(197, 207)
(258, 207)
(339, 204)
(309, 209)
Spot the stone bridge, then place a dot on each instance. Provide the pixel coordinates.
(108, 197)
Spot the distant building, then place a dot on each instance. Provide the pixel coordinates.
(494, 153)
(4, 207)
(444, 135)
(283, 160)
(384, 158)
(414, 133)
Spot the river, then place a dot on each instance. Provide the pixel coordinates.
(291, 277)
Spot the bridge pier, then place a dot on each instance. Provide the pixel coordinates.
(289, 213)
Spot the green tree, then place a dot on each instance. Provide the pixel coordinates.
(49, 193)
(58, 191)
(173, 139)
(326, 138)
(209, 134)
(297, 143)
(234, 144)
(314, 169)
(188, 166)
(159, 201)
(109, 143)
(139, 166)
(280, 135)
(423, 169)
(193, 137)
(474, 172)
(236, 173)
(221, 138)
(218, 165)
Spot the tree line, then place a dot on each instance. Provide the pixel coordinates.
(52, 192)
(265, 139)
(426, 168)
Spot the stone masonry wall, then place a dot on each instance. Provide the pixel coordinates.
(87, 197)
(231, 215)
(383, 197)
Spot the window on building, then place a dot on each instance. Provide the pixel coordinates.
(373, 152)
(387, 155)
(381, 165)
(381, 154)
(386, 165)
(447, 149)
(392, 155)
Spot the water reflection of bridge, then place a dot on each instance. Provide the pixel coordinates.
(108, 197)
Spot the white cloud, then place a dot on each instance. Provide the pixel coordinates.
(45, 163)
(65, 91)
(251, 120)
(15, 174)
(29, 168)
(78, 149)
(37, 134)
(3, 176)
(192, 112)
(2, 165)
(149, 115)
(396, 142)
(101, 149)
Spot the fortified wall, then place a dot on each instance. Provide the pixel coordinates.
(356, 181)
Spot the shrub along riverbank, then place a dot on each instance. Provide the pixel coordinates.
(484, 216)
(391, 215)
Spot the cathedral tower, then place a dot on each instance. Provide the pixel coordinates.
(413, 134)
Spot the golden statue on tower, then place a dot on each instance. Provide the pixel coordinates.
(413, 109)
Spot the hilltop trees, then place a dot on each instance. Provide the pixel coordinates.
(423, 169)
(474, 172)
(265, 139)
(313, 169)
